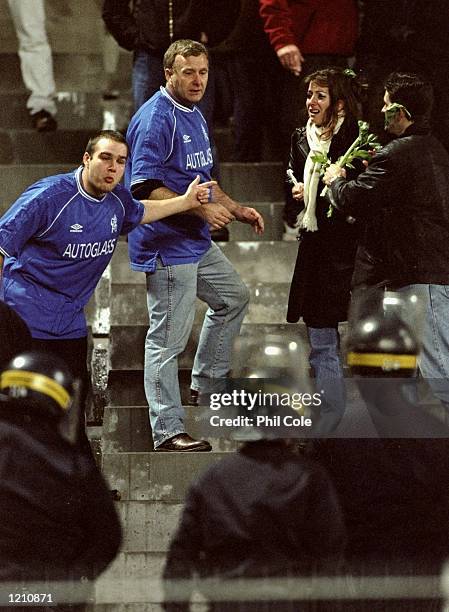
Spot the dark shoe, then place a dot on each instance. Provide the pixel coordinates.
(194, 398)
(111, 94)
(44, 122)
(184, 443)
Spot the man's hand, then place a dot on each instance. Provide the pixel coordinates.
(291, 58)
(216, 215)
(197, 193)
(167, 202)
(298, 191)
(237, 211)
(332, 173)
(244, 214)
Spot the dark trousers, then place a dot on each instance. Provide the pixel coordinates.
(73, 352)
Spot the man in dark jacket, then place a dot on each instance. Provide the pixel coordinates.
(148, 27)
(404, 198)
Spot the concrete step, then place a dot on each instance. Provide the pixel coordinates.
(77, 110)
(253, 182)
(124, 585)
(77, 70)
(14, 179)
(267, 304)
(274, 226)
(120, 297)
(73, 26)
(79, 115)
(256, 262)
(125, 336)
(126, 429)
(155, 477)
(244, 182)
(26, 146)
(126, 388)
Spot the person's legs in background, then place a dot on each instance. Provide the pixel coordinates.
(325, 361)
(434, 357)
(110, 56)
(74, 353)
(35, 61)
(147, 76)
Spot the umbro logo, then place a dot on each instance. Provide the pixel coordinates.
(76, 227)
(186, 138)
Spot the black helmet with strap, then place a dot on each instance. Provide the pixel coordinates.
(41, 377)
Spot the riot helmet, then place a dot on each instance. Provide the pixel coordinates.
(40, 377)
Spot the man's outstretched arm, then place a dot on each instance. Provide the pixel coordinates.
(215, 215)
(171, 203)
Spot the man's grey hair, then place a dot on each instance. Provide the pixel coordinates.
(185, 48)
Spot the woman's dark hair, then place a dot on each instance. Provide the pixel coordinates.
(412, 91)
(344, 85)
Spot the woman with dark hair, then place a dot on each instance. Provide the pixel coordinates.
(320, 286)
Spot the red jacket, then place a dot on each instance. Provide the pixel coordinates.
(317, 27)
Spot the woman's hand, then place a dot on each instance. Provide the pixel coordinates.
(298, 191)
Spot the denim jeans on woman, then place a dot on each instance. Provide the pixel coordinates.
(325, 360)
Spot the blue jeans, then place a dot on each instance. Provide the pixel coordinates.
(325, 360)
(434, 357)
(171, 295)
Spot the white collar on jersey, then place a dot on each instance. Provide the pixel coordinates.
(81, 189)
(186, 109)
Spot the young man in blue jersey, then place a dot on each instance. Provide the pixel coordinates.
(169, 145)
(59, 236)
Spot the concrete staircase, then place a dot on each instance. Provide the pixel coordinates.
(153, 485)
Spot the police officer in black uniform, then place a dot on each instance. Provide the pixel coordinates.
(58, 524)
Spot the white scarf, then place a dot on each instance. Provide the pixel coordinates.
(312, 170)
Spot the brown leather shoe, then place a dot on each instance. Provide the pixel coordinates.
(185, 444)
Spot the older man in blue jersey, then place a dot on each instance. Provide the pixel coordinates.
(169, 145)
(59, 236)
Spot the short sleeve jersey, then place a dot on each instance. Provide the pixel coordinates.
(57, 240)
(170, 143)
